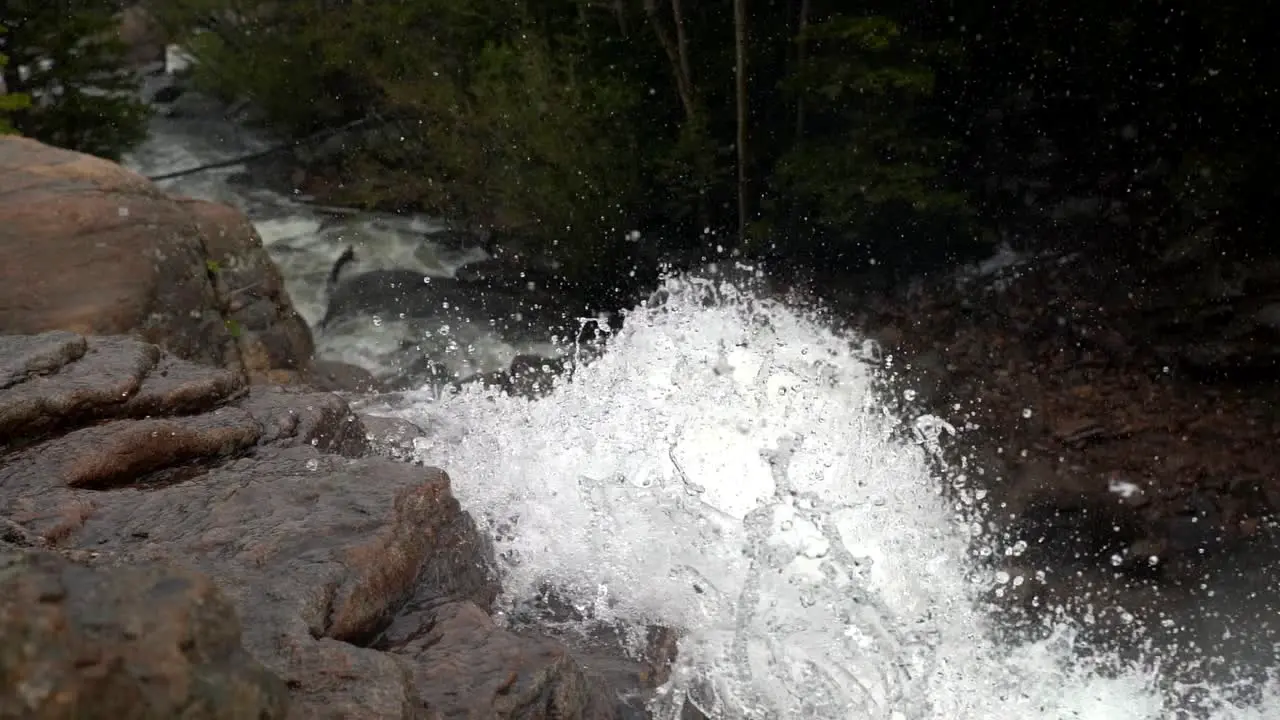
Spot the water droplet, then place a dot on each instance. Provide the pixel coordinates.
(313, 464)
(377, 321)
(1026, 412)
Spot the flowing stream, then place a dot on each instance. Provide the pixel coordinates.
(728, 469)
(305, 240)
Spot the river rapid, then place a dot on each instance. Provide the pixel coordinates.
(729, 468)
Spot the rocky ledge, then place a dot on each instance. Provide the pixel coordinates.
(177, 543)
(91, 247)
(1122, 418)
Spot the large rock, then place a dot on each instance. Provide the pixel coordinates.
(1113, 414)
(132, 642)
(359, 582)
(271, 334)
(90, 247)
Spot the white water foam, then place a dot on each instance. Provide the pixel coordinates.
(726, 469)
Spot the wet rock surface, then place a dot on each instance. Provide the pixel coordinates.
(143, 641)
(525, 313)
(88, 246)
(1113, 424)
(151, 506)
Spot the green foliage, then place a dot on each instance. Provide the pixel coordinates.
(287, 58)
(495, 121)
(864, 157)
(559, 121)
(871, 125)
(66, 58)
(9, 101)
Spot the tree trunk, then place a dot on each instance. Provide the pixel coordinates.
(620, 12)
(740, 47)
(682, 44)
(802, 54)
(677, 54)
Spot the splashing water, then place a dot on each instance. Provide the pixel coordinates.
(725, 469)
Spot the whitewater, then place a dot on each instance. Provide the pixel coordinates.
(729, 469)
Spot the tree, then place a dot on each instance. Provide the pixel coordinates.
(866, 171)
(571, 122)
(9, 101)
(740, 110)
(65, 56)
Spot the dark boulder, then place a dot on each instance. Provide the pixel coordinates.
(516, 314)
(182, 499)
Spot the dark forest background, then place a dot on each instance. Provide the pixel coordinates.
(814, 133)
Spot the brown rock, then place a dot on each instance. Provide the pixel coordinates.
(72, 380)
(391, 437)
(90, 247)
(468, 667)
(133, 642)
(270, 333)
(331, 376)
(1101, 352)
(360, 582)
(38, 354)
